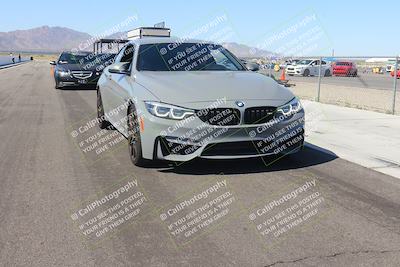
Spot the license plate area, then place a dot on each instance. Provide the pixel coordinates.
(82, 81)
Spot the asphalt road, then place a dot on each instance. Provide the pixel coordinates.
(44, 178)
(363, 80)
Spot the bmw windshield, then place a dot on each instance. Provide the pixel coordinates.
(186, 57)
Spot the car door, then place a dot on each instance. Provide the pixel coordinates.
(314, 67)
(107, 95)
(324, 67)
(120, 86)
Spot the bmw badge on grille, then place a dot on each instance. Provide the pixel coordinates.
(240, 104)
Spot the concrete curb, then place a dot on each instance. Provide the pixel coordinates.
(13, 65)
(366, 138)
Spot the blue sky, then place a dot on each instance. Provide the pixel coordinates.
(352, 27)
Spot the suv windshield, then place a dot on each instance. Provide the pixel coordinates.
(186, 57)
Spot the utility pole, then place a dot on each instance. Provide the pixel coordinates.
(396, 67)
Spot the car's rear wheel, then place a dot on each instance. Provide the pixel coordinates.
(103, 123)
(134, 139)
(306, 72)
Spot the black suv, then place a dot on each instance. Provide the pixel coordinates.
(82, 68)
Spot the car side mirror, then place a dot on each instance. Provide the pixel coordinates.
(120, 68)
(52, 63)
(252, 66)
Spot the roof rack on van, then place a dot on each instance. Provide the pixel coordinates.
(98, 45)
(149, 32)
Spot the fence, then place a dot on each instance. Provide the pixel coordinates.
(360, 82)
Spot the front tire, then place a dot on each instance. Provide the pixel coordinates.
(57, 86)
(134, 139)
(103, 123)
(306, 73)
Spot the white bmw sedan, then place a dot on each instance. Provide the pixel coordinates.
(177, 100)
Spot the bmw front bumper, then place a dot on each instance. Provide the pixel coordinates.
(185, 140)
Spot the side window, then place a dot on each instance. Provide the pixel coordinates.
(59, 58)
(119, 56)
(127, 55)
(323, 62)
(222, 60)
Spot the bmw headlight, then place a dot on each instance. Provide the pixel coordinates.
(167, 111)
(290, 108)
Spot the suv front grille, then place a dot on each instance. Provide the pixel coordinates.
(220, 116)
(81, 74)
(258, 115)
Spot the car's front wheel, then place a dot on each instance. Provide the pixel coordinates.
(134, 139)
(306, 72)
(103, 123)
(58, 85)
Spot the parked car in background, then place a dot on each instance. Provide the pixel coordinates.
(267, 66)
(288, 62)
(309, 67)
(389, 67)
(398, 73)
(77, 69)
(344, 68)
(250, 65)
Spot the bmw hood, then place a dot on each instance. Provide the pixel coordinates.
(186, 88)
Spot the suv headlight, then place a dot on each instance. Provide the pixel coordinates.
(290, 108)
(167, 111)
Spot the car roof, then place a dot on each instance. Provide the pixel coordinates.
(160, 40)
(311, 59)
(83, 53)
